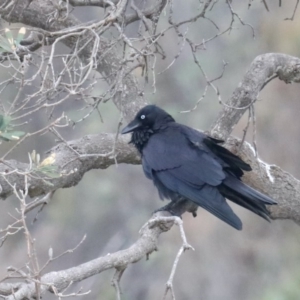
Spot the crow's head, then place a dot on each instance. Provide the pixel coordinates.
(149, 117)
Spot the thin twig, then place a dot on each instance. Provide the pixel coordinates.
(116, 282)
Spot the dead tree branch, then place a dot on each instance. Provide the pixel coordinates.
(263, 67)
(127, 97)
(144, 246)
(73, 161)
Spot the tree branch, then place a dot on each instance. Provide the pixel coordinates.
(271, 180)
(275, 182)
(261, 69)
(144, 246)
(100, 3)
(73, 160)
(128, 98)
(152, 11)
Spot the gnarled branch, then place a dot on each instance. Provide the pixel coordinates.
(264, 67)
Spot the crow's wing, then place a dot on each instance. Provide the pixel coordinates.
(171, 149)
(177, 164)
(207, 197)
(227, 159)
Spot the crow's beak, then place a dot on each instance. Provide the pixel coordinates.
(131, 127)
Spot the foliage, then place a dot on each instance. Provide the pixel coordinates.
(6, 132)
(8, 43)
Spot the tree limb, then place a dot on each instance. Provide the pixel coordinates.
(261, 69)
(271, 180)
(145, 245)
(128, 98)
(73, 160)
(152, 11)
(284, 187)
(100, 3)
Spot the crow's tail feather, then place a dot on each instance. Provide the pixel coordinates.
(238, 192)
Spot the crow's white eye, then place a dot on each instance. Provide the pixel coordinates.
(143, 117)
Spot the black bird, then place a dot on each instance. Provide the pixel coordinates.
(185, 164)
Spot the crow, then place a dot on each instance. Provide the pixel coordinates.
(187, 165)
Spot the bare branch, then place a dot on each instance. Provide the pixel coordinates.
(127, 96)
(100, 3)
(185, 246)
(294, 12)
(58, 281)
(116, 281)
(149, 12)
(262, 68)
(96, 151)
(271, 180)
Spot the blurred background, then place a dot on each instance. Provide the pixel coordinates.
(110, 206)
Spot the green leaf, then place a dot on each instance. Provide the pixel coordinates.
(50, 171)
(8, 43)
(33, 156)
(37, 159)
(20, 35)
(4, 122)
(8, 135)
(1, 121)
(10, 38)
(5, 44)
(12, 135)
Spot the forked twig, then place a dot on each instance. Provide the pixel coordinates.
(166, 223)
(115, 282)
(185, 246)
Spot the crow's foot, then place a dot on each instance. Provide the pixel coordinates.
(169, 209)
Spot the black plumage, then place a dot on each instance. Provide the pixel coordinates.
(185, 164)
